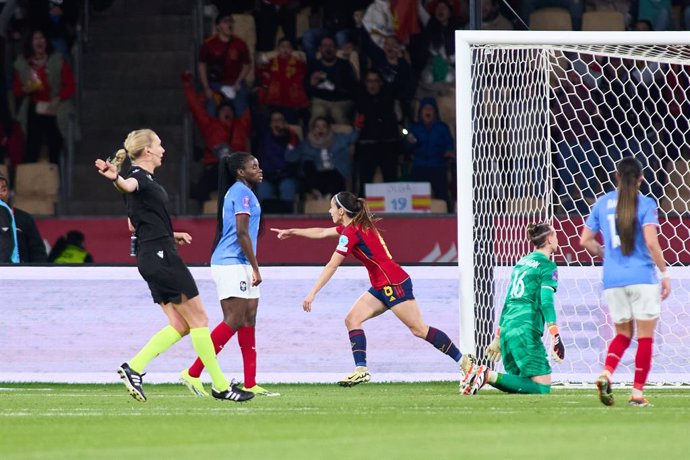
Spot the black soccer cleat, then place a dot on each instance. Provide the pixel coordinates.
(234, 393)
(132, 381)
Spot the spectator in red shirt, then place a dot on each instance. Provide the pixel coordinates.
(281, 81)
(43, 85)
(222, 135)
(224, 63)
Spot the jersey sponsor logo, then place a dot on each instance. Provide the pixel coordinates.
(342, 243)
(160, 254)
(529, 263)
(245, 202)
(243, 286)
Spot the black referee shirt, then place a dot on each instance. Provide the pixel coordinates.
(146, 207)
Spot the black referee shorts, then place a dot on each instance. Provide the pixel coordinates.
(166, 274)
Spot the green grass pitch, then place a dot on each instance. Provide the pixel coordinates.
(374, 421)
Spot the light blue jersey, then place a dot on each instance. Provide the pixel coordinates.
(239, 199)
(620, 270)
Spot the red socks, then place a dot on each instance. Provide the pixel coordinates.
(220, 336)
(247, 340)
(643, 361)
(617, 347)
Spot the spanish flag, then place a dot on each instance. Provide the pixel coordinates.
(421, 202)
(378, 203)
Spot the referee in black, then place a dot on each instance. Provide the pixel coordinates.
(169, 279)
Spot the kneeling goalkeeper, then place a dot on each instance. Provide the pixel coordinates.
(528, 305)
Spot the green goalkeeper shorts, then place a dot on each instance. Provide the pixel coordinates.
(523, 353)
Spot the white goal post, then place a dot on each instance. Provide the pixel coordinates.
(541, 119)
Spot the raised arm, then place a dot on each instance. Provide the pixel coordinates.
(314, 233)
(110, 172)
(325, 276)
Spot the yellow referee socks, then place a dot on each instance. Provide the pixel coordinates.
(161, 341)
(203, 345)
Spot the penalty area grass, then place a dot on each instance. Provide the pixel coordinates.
(373, 421)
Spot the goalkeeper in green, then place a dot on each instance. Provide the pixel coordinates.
(528, 305)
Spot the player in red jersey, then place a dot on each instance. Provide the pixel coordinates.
(391, 286)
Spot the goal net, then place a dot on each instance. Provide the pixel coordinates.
(550, 114)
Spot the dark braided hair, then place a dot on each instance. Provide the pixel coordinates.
(538, 233)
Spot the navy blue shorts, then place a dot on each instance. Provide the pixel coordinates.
(394, 294)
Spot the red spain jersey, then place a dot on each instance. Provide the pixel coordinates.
(371, 250)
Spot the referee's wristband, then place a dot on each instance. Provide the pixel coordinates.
(664, 275)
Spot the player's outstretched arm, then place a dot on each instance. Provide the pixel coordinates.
(109, 171)
(314, 233)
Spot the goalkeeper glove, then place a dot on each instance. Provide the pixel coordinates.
(493, 351)
(558, 350)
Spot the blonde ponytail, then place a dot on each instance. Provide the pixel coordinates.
(119, 158)
(134, 144)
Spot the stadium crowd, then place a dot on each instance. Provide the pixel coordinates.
(333, 95)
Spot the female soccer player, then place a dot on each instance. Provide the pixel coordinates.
(528, 305)
(628, 222)
(169, 279)
(391, 285)
(235, 269)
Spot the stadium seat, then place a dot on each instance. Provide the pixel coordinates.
(35, 205)
(341, 128)
(246, 30)
(446, 109)
(38, 179)
(210, 207)
(603, 20)
(36, 183)
(314, 206)
(525, 205)
(302, 21)
(301, 25)
(550, 19)
(439, 206)
(677, 189)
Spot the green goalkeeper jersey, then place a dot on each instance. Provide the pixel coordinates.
(529, 302)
